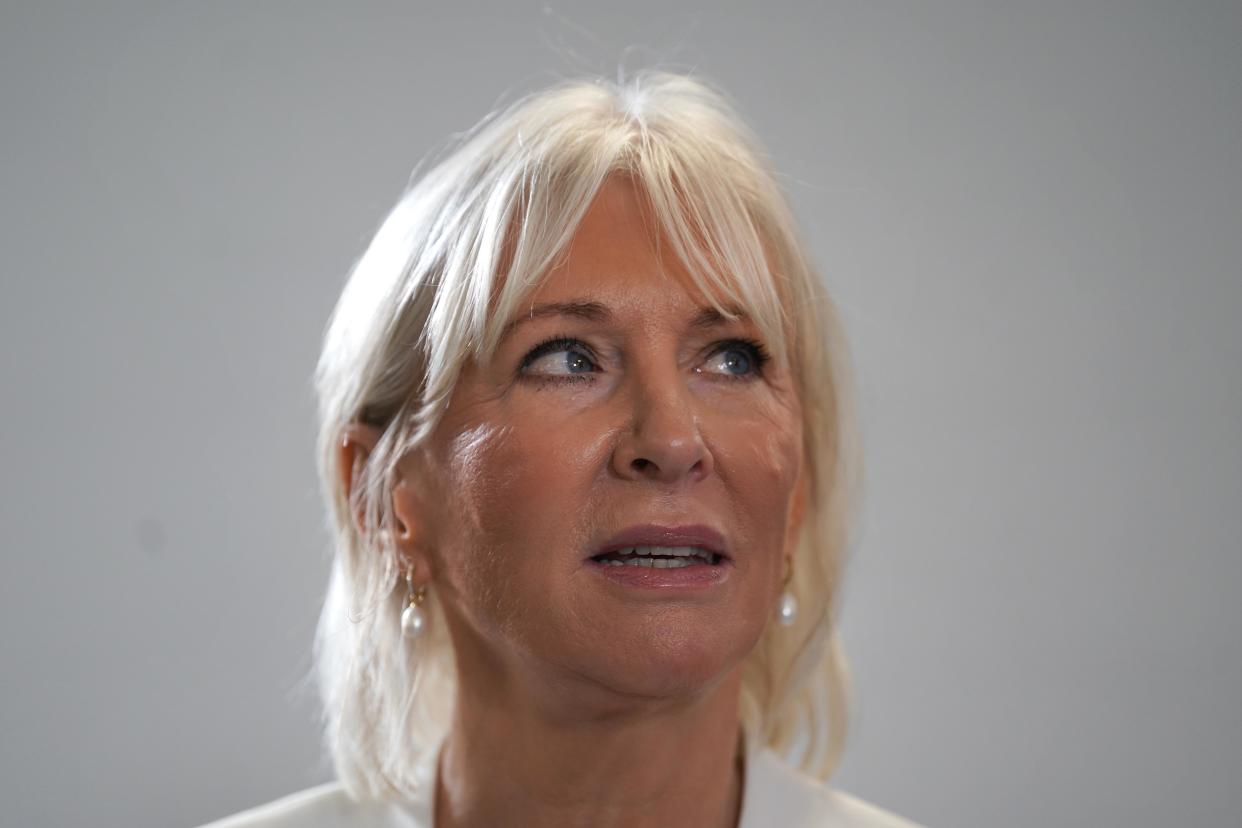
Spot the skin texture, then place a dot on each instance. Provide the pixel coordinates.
(582, 702)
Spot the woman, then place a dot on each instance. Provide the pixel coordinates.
(587, 451)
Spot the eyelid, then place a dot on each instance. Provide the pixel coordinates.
(558, 342)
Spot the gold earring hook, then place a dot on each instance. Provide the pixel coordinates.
(416, 594)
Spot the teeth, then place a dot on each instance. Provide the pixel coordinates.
(653, 563)
(662, 557)
(674, 551)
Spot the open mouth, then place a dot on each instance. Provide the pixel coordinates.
(659, 557)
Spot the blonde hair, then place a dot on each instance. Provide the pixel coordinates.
(466, 242)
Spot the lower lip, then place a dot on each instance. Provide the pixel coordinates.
(693, 577)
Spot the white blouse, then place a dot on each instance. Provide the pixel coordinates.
(775, 795)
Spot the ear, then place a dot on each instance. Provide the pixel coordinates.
(356, 444)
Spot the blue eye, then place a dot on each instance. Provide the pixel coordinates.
(575, 361)
(736, 361)
(741, 358)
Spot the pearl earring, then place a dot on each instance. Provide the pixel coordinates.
(787, 607)
(414, 618)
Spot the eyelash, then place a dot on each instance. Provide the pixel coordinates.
(759, 357)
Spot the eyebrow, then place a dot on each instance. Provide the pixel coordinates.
(704, 318)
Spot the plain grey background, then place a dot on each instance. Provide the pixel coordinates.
(1031, 214)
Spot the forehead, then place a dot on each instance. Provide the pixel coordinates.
(618, 256)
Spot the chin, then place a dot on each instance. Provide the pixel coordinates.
(668, 664)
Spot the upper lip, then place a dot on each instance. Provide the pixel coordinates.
(651, 534)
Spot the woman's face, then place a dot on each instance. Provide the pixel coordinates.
(632, 415)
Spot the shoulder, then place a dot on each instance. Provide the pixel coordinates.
(779, 794)
(324, 806)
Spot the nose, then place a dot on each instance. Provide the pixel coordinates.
(663, 443)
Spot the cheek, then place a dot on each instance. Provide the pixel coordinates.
(518, 494)
(523, 485)
(480, 472)
(759, 454)
(484, 465)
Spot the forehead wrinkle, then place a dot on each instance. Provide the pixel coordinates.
(705, 317)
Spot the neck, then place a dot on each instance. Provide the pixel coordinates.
(509, 761)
